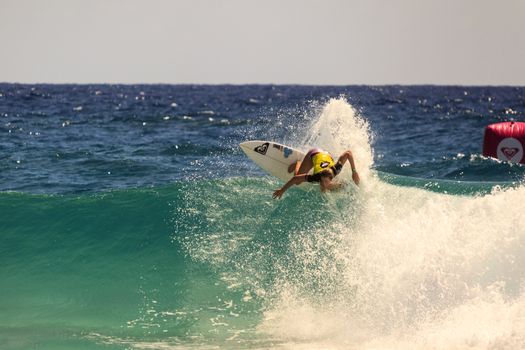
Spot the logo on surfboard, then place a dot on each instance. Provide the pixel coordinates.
(286, 151)
(262, 149)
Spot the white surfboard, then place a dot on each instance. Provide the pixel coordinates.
(272, 157)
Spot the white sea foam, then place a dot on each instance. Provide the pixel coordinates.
(403, 268)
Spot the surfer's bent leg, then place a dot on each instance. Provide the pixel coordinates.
(301, 167)
(294, 167)
(305, 166)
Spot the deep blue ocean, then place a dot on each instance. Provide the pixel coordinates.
(131, 219)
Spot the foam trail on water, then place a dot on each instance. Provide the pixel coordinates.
(402, 268)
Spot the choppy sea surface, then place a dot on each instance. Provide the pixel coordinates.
(131, 219)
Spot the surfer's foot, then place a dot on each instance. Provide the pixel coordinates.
(291, 168)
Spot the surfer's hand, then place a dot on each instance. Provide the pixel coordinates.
(278, 193)
(355, 177)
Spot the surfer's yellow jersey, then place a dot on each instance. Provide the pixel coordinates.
(322, 161)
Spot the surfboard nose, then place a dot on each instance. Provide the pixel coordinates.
(272, 157)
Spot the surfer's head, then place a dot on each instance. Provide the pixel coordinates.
(326, 177)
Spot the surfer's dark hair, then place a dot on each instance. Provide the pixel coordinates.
(327, 173)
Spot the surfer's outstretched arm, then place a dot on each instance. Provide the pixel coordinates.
(348, 156)
(296, 180)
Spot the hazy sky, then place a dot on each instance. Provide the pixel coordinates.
(468, 42)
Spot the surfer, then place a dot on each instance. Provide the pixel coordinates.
(324, 170)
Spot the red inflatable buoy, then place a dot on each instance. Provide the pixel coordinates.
(505, 141)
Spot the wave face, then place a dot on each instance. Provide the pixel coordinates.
(402, 262)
